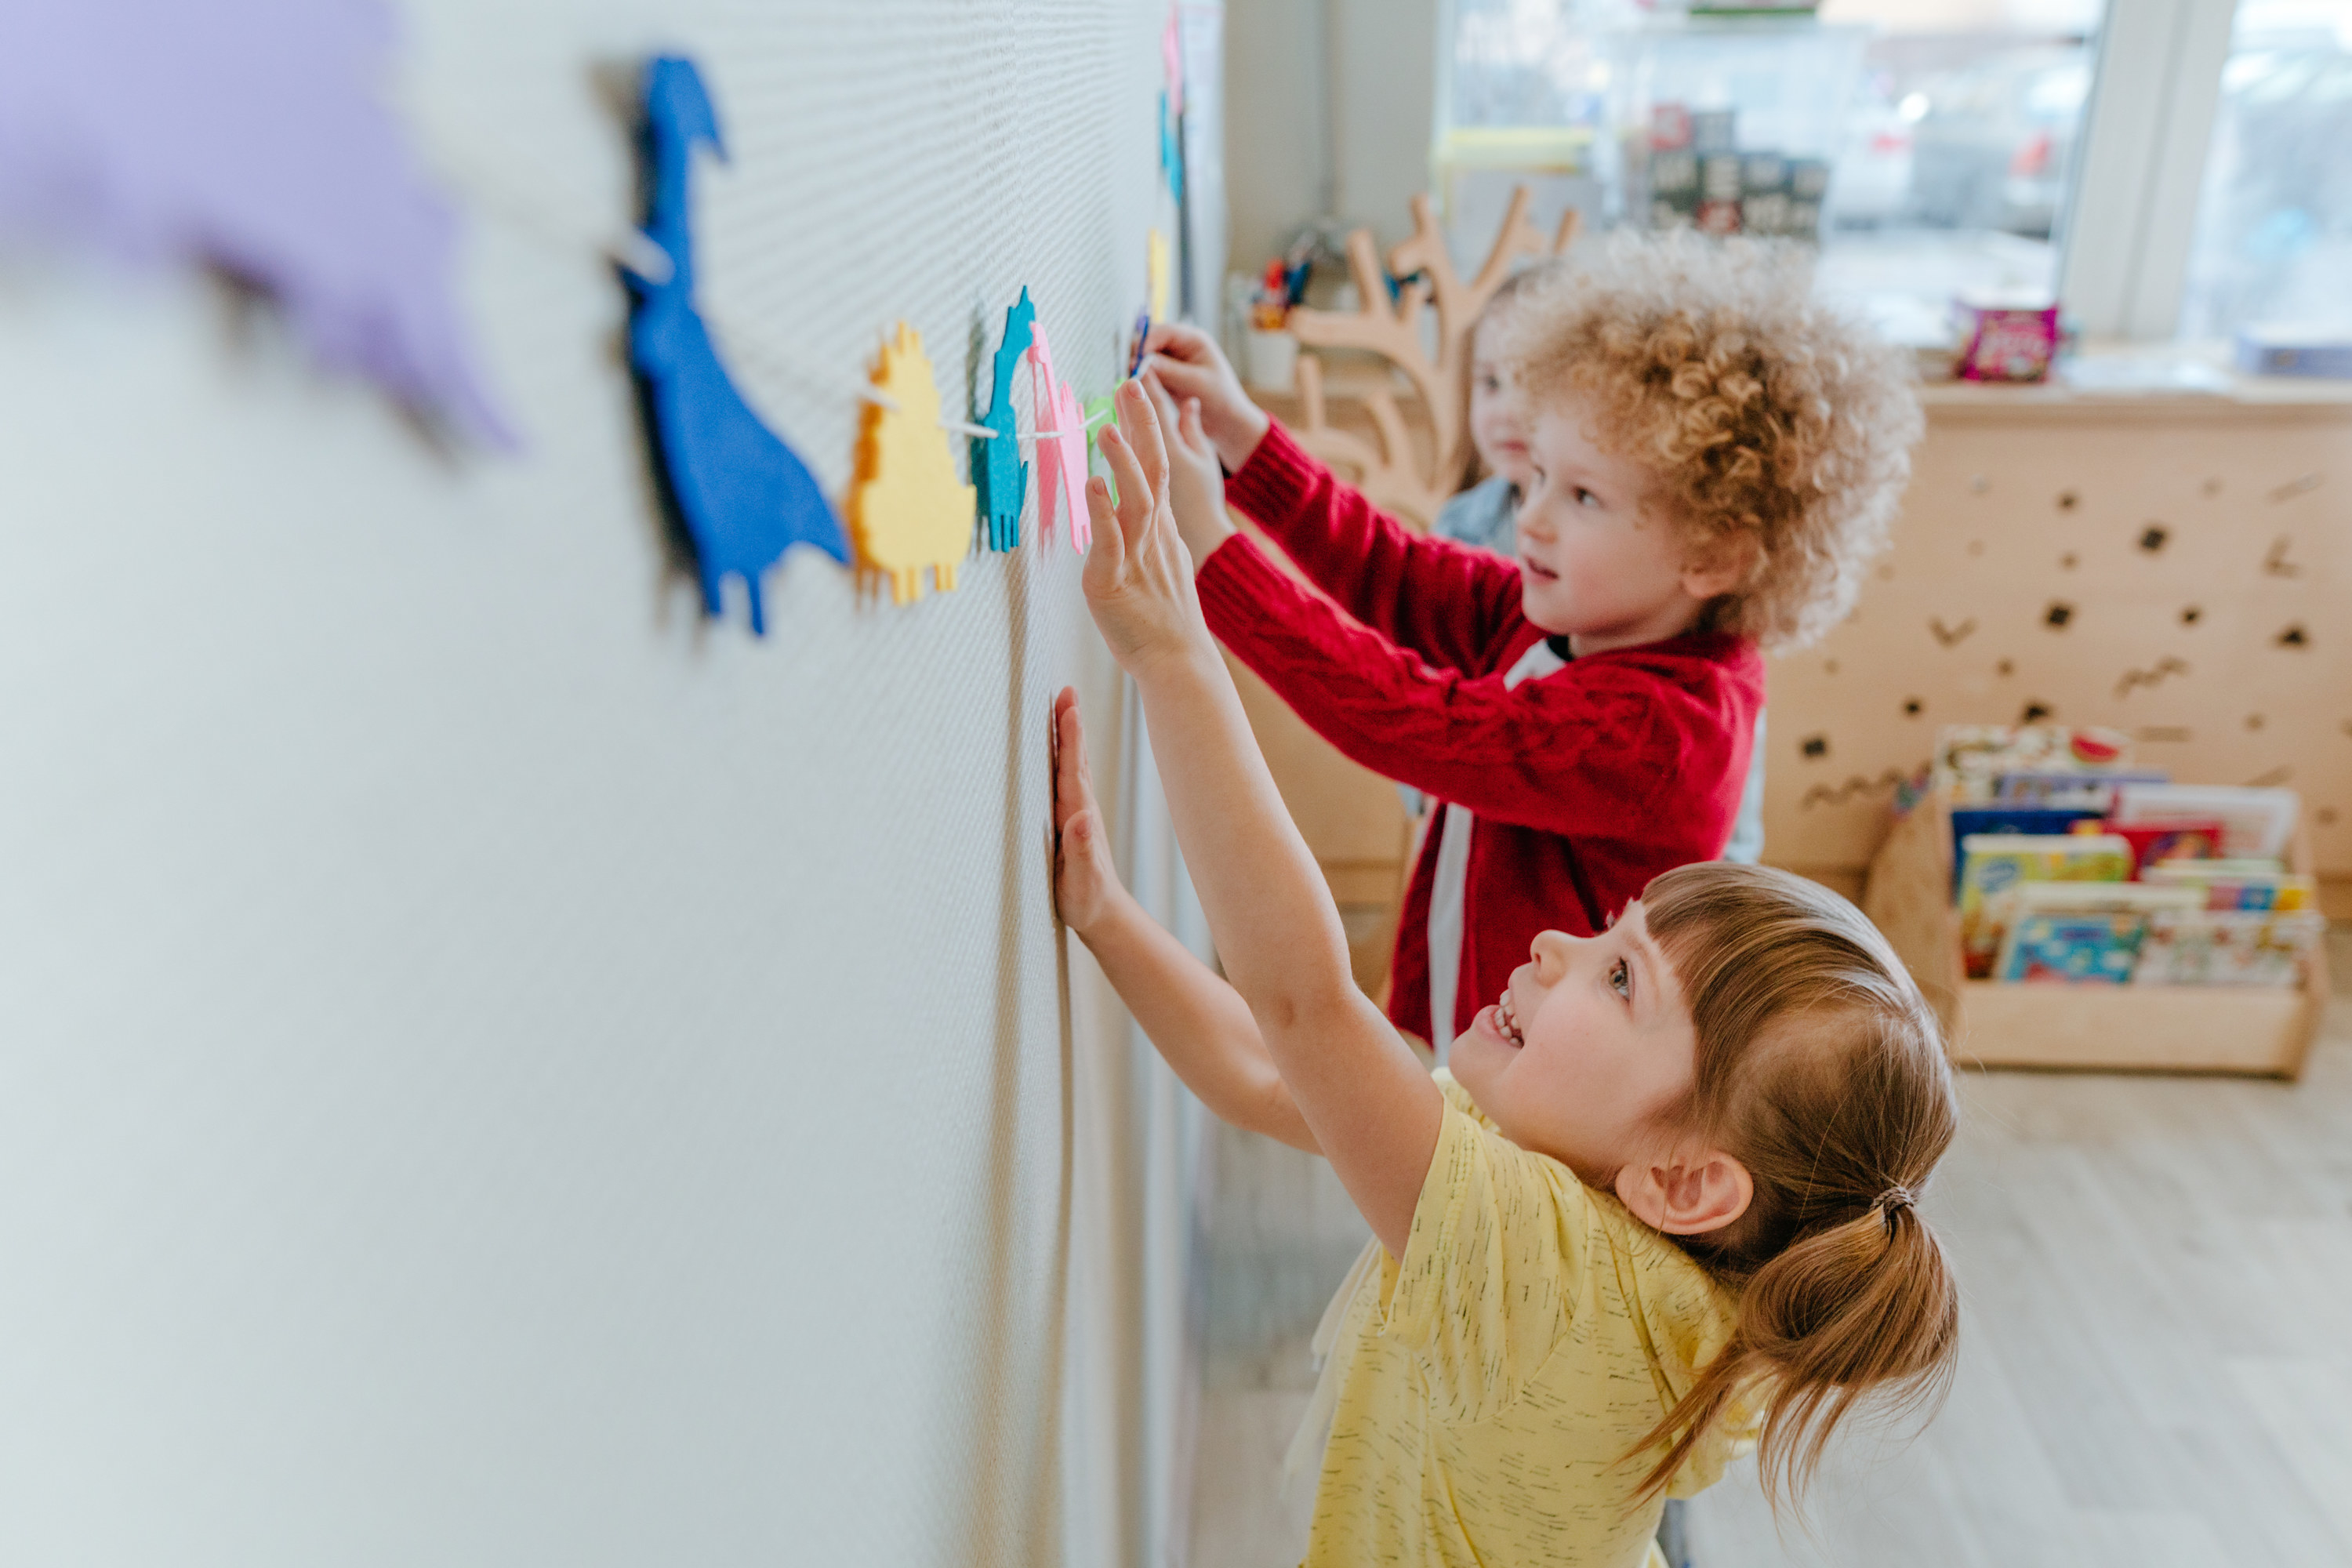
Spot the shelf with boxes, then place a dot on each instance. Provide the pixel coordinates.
(1730, 125)
(2133, 923)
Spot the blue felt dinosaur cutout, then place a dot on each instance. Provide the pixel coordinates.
(997, 470)
(740, 494)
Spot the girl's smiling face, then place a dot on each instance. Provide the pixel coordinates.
(1587, 1053)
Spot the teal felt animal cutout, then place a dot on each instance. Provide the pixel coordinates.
(997, 470)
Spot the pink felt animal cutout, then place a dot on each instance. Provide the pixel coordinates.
(1061, 456)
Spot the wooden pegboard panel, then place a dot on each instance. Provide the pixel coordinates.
(2180, 570)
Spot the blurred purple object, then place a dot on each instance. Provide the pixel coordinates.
(254, 136)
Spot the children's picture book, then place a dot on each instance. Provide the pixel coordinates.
(1969, 757)
(2088, 790)
(2254, 822)
(2237, 884)
(1996, 862)
(2087, 931)
(1976, 821)
(2227, 947)
(2155, 841)
(2072, 949)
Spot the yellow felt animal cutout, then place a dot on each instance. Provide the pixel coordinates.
(1160, 274)
(906, 510)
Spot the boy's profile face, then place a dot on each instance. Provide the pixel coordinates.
(1588, 1049)
(1601, 563)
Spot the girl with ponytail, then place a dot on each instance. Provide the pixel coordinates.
(1820, 1068)
(1660, 1205)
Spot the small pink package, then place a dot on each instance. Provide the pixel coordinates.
(2005, 338)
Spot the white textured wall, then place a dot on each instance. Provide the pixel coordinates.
(1384, 106)
(1330, 106)
(493, 1068)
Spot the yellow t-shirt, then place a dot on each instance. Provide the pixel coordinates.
(1492, 1380)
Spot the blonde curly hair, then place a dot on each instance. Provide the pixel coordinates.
(1763, 411)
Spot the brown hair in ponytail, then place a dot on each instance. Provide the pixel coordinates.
(1822, 1070)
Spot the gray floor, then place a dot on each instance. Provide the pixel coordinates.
(2158, 1364)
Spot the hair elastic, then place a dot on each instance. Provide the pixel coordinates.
(1893, 1201)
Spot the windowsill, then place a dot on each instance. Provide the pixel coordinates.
(2229, 395)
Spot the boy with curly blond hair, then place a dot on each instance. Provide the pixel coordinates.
(1716, 455)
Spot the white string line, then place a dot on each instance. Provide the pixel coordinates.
(637, 252)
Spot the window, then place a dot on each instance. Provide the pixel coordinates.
(2166, 168)
(2273, 241)
(1527, 63)
(1959, 146)
(1522, 101)
(1947, 130)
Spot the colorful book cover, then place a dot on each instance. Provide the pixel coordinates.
(1997, 862)
(2227, 947)
(2088, 790)
(2254, 822)
(2073, 948)
(2098, 897)
(2156, 841)
(2236, 884)
(1975, 821)
(1969, 757)
(2079, 931)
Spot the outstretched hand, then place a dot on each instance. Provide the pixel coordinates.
(1188, 363)
(1085, 879)
(1138, 576)
(1196, 486)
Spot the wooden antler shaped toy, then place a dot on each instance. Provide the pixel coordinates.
(1394, 474)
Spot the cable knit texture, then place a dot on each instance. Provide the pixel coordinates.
(1586, 783)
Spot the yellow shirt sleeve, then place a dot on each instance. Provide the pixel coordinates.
(1487, 1287)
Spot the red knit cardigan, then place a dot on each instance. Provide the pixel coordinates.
(1585, 782)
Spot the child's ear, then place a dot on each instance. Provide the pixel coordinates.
(1720, 565)
(1691, 1194)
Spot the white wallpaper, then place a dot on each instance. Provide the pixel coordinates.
(493, 1067)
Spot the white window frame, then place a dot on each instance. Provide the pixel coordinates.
(2132, 213)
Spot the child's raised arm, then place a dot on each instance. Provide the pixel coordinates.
(1199, 1024)
(1371, 1107)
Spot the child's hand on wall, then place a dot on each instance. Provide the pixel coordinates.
(1188, 363)
(1138, 576)
(1084, 881)
(1196, 485)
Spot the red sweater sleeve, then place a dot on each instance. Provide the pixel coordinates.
(1446, 602)
(1583, 752)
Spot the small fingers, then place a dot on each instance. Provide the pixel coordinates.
(1148, 438)
(1188, 428)
(1086, 767)
(1066, 740)
(1136, 497)
(1074, 750)
(1163, 404)
(1183, 379)
(1175, 339)
(1106, 554)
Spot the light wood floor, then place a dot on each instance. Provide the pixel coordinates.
(2157, 1369)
